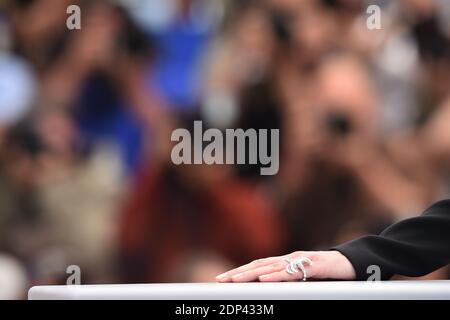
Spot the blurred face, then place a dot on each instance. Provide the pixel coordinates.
(344, 87)
(311, 30)
(57, 132)
(96, 45)
(20, 168)
(341, 102)
(253, 35)
(421, 7)
(40, 18)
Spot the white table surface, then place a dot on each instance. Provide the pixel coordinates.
(326, 290)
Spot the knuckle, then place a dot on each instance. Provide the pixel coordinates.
(294, 254)
(258, 262)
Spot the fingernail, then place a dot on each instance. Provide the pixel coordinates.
(261, 278)
(222, 276)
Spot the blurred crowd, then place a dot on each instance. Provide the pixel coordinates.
(86, 117)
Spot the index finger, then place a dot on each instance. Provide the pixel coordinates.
(226, 277)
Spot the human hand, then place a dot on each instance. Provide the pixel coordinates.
(325, 265)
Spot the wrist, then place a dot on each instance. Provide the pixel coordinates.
(342, 268)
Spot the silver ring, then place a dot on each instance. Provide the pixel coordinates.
(294, 265)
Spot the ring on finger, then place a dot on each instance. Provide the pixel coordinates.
(296, 265)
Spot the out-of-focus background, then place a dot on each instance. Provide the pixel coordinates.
(86, 117)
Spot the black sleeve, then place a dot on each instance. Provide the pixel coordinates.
(412, 247)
